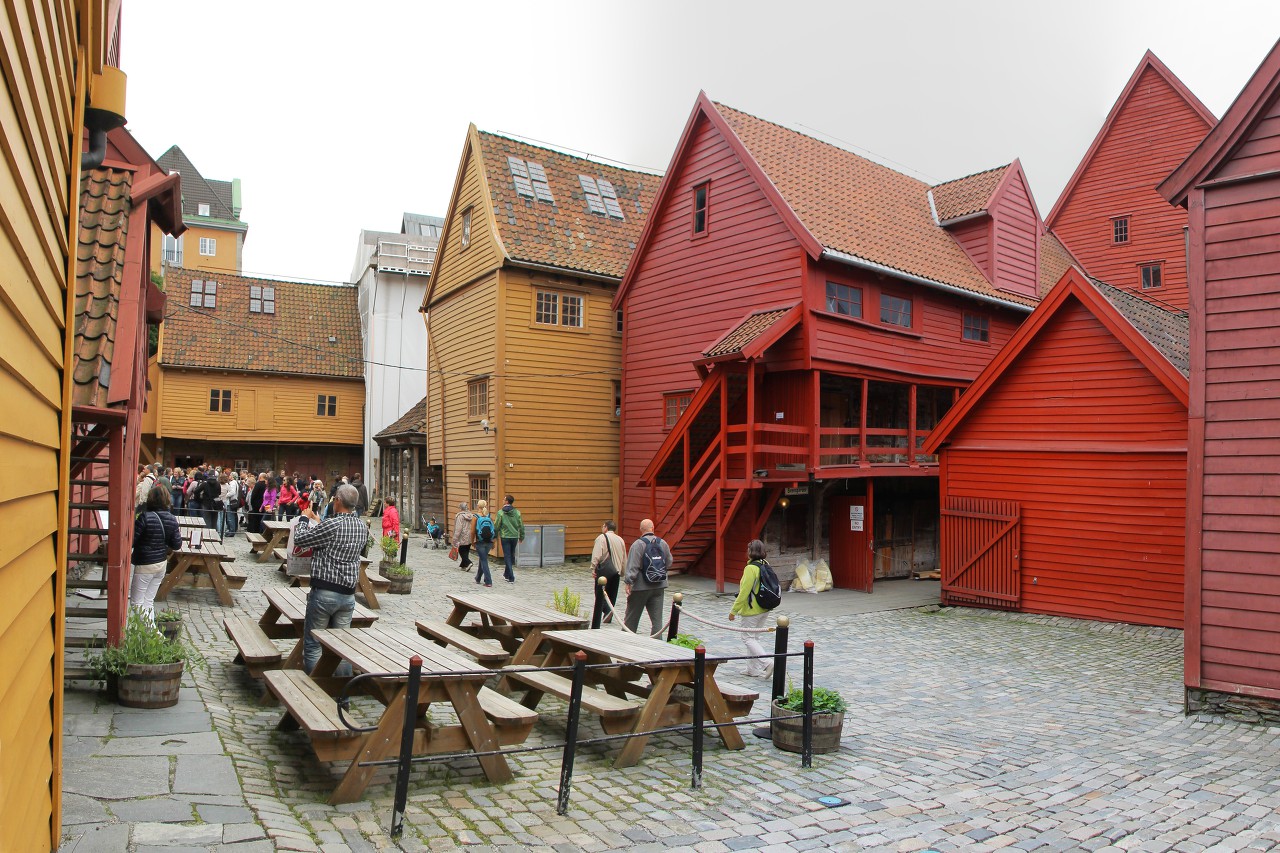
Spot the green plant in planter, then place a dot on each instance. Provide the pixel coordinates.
(141, 644)
(687, 641)
(566, 601)
(168, 616)
(825, 700)
(390, 548)
(399, 571)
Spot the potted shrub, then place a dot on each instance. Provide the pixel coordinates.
(145, 668)
(401, 578)
(390, 553)
(828, 720)
(170, 624)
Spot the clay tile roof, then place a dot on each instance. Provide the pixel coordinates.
(1055, 260)
(564, 233)
(100, 248)
(412, 422)
(747, 331)
(857, 207)
(293, 340)
(966, 195)
(1166, 329)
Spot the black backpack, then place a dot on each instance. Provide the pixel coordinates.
(654, 561)
(768, 593)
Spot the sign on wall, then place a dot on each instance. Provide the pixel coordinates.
(857, 518)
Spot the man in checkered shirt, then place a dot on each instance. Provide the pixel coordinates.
(335, 567)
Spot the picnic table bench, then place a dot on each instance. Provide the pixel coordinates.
(284, 619)
(485, 651)
(204, 565)
(368, 585)
(513, 622)
(486, 720)
(275, 535)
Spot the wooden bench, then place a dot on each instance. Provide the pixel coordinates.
(486, 652)
(309, 706)
(254, 648)
(596, 701)
(738, 699)
(512, 720)
(257, 542)
(235, 576)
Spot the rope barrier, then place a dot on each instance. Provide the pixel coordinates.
(698, 618)
(613, 615)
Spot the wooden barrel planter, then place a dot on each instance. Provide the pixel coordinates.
(400, 585)
(788, 735)
(170, 629)
(150, 685)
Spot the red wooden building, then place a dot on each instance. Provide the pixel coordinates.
(1063, 467)
(797, 319)
(1231, 186)
(1109, 215)
(116, 303)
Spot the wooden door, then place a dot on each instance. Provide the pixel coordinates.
(981, 560)
(851, 542)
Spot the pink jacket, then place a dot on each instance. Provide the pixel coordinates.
(391, 523)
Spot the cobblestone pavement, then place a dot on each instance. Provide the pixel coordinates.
(968, 730)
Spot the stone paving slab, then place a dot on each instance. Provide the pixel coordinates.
(969, 730)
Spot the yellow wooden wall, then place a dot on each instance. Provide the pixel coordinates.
(456, 266)
(39, 135)
(558, 434)
(263, 408)
(226, 259)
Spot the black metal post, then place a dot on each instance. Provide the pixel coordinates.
(406, 746)
(674, 627)
(780, 657)
(571, 732)
(699, 680)
(597, 612)
(404, 549)
(806, 754)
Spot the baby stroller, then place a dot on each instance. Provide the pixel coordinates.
(435, 534)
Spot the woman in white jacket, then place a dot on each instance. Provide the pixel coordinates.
(229, 498)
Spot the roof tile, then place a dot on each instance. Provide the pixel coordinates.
(100, 251)
(1167, 330)
(293, 340)
(967, 195)
(747, 331)
(412, 422)
(1055, 260)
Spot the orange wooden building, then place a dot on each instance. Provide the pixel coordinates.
(1063, 466)
(828, 311)
(1231, 186)
(1109, 215)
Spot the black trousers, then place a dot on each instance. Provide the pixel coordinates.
(601, 613)
(464, 555)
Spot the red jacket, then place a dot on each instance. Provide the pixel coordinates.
(391, 523)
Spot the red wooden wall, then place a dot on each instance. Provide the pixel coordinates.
(1150, 133)
(687, 291)
(974, 237)
(1092, 447)
(1017, 237)
(1237, 642)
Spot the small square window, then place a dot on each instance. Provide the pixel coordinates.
(478, 486)
(1120, 229)
(220, 400)
(202, 210)
(197, 294)
(1152, 276)
(700, 197)
(326, 405)
(208, 246)
(466, 228)
(844, 300)
(547, 308)
(673, 406)
(977, 327)
(571, 311)
(895, 310)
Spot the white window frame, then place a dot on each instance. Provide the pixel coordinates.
(209, 243)
(202, 210)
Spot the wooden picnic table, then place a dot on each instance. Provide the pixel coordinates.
(665, 665)
(367, 585)
(486, 720)
(276, 534)
(204, 566)
(286, 617)
(187, 524)
(515, 623)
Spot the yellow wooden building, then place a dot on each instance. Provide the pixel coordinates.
(58, 55)
(214, 240)
(257, 374)
(524, 348)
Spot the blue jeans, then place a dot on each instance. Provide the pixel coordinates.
(482, 552)
(509, 557)
(325, 609)
(227, 523)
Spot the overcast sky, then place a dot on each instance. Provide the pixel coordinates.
(340, 116)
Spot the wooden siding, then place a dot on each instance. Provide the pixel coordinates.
(974, 237)
(454, 265)
(1120, 180)
(1237, 615)
(1093, 448)
(39, 136)
(1017, 238)
(555, 411)
(701, 286)
(263, 408)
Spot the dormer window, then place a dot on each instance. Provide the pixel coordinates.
(262, 300)
(202, 210)
(204, 294)
(1120, 230)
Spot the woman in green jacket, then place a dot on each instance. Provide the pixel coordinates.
(752, 613)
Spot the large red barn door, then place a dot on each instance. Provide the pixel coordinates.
(981, 563)
(851, 543)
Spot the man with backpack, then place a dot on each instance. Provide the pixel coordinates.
(646, 578)
(758, 593)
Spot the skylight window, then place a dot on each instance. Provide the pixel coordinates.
(530, 179)
(601, 197)
(204, 294)
(262, 300)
